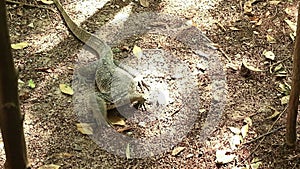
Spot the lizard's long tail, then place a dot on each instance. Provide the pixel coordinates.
(102, 49)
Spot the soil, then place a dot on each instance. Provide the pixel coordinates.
(239, 39)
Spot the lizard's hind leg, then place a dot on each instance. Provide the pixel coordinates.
(99, 110)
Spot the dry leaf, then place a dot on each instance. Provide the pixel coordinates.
(255, 163)
(63, 155)
(291, 24)
(202, 110)
(116, 120)
(137, 51)
(253, 19)
(47, 2)
(274, 2)
(232, 66)
(31, 25)
(234, 28)
(235, 140)
(269, 54)
(248, 7)
(163, 97)
(267, 14)
(285, 100)
(223, 158)
(281, 73)
(259, 22)
(189, 155)
(84, 128)
(278, 68)
(244, 130)
(293, 36)
(270, 39)
(128, 151)
(291, 10)
(20, 83)
(177, 150)
(251, 67)
(49, 166)
(274, 115)
(121, 130)
(283, 88)
(66, 89)
(235, 130)
(144, 3)
(248, 121)
(20, 45)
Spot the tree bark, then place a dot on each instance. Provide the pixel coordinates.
(11, 121)
(291, 133)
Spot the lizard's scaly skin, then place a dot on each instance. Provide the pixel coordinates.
(116, 86)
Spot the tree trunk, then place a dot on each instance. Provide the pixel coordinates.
(291, 133)
(11, 122)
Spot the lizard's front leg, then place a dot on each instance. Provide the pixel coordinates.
(135, 75)
(137, 99)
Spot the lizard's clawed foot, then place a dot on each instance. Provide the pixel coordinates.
(140, 83)
(140, 105)
(138, 101)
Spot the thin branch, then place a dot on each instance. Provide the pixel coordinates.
(263, 138)
(264, 135)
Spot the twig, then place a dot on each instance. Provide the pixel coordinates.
(280, 61)
(29, 5)
(289, 158)
(263, 138)
(263, 135)
(221, 26)
(227, 57)
(221, 50)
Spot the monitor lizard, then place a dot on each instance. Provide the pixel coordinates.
(115, 85)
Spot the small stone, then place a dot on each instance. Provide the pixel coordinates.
(142, 124)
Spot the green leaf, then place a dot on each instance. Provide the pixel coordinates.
(31, 84)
